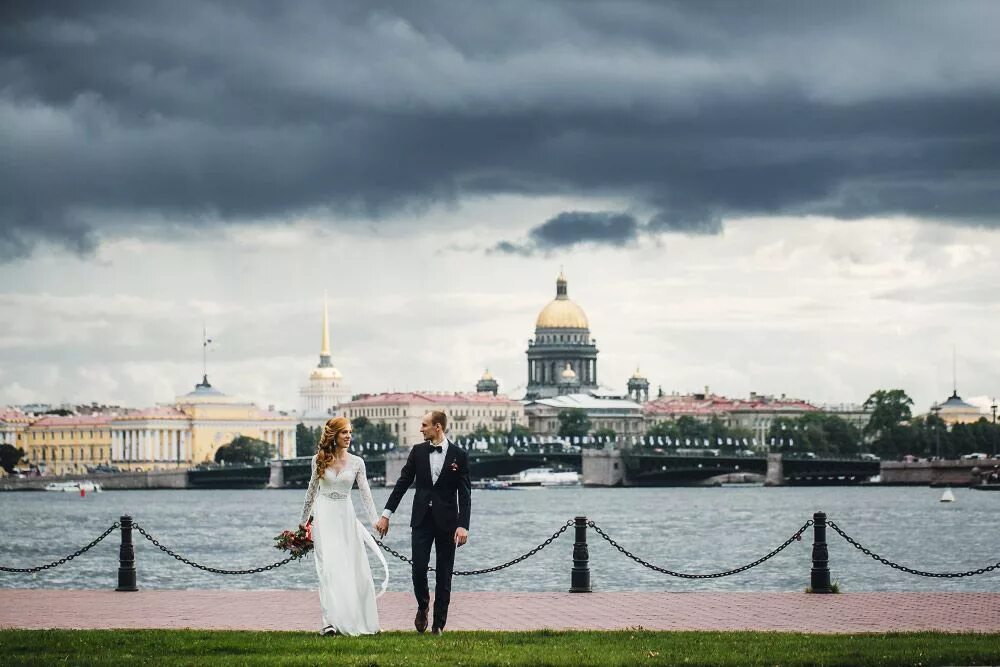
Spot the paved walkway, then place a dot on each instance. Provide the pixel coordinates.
(299, 610)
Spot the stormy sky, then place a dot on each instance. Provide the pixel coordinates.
(781, 197)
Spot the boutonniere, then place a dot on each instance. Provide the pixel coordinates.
(454, 467)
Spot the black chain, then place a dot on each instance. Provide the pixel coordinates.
(795, 536)
(59, 562)
(214, 570)
(903, 568)
(487, 570)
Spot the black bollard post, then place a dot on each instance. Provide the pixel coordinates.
(580, 575)
(126, 557)
(819, 576)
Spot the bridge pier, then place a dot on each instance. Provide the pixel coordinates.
(276, 479)
(602, 467)
(775, 471)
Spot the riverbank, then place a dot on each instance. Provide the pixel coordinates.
(284, 610)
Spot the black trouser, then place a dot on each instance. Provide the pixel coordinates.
(423, 536)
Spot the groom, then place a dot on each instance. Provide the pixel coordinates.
(442, 503)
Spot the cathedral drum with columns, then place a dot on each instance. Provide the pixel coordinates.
(562, 357)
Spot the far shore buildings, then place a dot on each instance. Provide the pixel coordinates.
(325, 390)
(956, 411)
(401, 412)
(180, 434)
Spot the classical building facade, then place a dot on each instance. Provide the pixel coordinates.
(325, 389)
(562, 343)
(756, 413)
(605, 411)
(956, 411)
(401, 412)
(13, 426)
(59, 444)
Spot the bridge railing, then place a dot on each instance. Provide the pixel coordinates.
(819, 573)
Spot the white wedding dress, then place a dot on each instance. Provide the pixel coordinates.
(346, 590)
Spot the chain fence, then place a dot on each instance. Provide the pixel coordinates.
(487, 570)
(57, 563)
(903, 568)
(214, 570)
(796, 536)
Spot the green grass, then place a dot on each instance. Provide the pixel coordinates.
(631, 647)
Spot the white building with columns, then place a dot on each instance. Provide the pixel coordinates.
(191, 429)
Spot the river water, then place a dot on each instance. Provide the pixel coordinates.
(694, 530)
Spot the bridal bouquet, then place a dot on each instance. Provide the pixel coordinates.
(297, 542)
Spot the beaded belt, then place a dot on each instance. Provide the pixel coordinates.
(335, 495)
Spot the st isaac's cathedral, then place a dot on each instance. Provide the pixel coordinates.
(562, 357)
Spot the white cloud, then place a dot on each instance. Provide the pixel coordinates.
(816, 308)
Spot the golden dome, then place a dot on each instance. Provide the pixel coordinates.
(487, 375)
(637, 375)
(561, 313)
(568, 374)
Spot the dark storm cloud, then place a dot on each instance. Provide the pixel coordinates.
(199, 113)
(574, 227)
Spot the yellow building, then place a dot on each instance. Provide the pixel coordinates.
(192, 428)
(956, 411)
(71, 444)
(13, 427)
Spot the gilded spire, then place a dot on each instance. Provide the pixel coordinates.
(325, 352)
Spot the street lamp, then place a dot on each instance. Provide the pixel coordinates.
(994, 409)
(936, 409)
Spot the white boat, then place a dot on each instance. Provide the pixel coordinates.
(947, 496)
(74, 487)
(542, 477)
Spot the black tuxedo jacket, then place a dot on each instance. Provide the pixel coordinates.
(449, 500)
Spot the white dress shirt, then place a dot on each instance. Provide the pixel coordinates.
(437, 465)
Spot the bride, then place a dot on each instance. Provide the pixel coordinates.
(346, 591)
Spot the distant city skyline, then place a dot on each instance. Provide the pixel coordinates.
(778, 199)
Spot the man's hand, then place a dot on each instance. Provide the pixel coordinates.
(461, 536)
(382, 526)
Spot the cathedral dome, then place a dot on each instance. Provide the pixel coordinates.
(568, 374)
(561, 313)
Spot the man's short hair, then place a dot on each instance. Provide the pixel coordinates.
(438, 417)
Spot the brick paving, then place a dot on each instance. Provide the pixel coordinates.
(299, 610)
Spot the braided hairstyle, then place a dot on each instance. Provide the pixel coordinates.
(327, 445)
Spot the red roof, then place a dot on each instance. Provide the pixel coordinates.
(429, 398)
(710, 404)
(59, 421)
(159, 412)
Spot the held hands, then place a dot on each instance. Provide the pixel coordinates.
(382, 526)
(461, 536)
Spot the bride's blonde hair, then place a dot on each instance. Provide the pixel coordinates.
(327, 445)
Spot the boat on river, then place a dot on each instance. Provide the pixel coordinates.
(74, 487)
(491, 485)
(995, 486)
(542, 477)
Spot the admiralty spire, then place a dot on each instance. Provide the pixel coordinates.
(325, 390)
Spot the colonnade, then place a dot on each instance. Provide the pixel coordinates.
(150, 445)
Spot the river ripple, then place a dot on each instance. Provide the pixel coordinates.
(694, 530)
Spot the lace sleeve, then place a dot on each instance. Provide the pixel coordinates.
(367, 502)
(310, 493)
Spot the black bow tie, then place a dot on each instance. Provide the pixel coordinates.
(437, 448)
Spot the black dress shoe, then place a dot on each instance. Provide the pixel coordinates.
(437, 631)
(420, 620)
